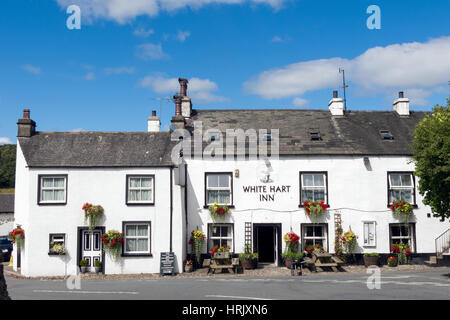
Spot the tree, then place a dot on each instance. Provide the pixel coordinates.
(431, 149)
(7, 165)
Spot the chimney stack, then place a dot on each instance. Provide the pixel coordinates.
(186, 104)
(154, 124)
(336, 105)
(401, 105)
(25, 126)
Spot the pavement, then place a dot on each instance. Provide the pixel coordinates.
(269, 283)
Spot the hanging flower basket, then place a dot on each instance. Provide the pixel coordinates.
(93, 214)
(112, 243)
(196, 242)
(17, 236)
(218, 211)
(402, 209)
(315, 208)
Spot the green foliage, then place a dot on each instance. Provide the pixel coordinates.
(431, 148)
(7, 165)
(293, 255)
(373, 254)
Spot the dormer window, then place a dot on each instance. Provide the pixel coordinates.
(314, 134)
(386, 135)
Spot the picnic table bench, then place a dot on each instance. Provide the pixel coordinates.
(322, 260)
(221, 263)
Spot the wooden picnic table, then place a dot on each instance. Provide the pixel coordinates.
(324, 259)
(221, 263)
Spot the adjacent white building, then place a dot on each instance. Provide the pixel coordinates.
(357, 162)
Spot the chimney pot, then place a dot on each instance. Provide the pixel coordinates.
(400, 94)
(183, 86)
(153, 113)
(26, 113)
(335, 94)
(177, 100)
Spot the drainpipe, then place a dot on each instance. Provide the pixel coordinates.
(171, 206)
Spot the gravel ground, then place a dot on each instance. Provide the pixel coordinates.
(260, 272)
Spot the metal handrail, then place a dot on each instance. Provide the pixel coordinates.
(442, 243)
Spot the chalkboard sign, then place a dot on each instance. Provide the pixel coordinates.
(167, 265)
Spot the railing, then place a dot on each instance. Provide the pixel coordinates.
(442, 243)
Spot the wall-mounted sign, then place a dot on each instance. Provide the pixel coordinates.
(267, 192)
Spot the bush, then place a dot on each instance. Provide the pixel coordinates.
(373, 254)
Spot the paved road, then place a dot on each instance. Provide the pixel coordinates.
(433, 285)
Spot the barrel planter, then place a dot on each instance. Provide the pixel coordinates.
(288, 262)
(249, 263)
(371, 261)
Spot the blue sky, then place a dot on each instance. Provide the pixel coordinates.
(237, 54)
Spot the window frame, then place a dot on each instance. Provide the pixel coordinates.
(52, 202)
(325, 173)
(413, 187)
(137, 253)
(230, 174)
(127, 190)
(368, 245)
(50, 242)
(325, 238)
(210, 237)
(412, 236)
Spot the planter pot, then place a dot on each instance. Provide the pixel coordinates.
(222, 255)
(288, 262)
(83, 269)
(371, 261)
(248, 264)
(98, 269)
(188, 268)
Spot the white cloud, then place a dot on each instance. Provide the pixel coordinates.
(418, 68)
(150, 51)
(89, 76)
(183, 35)
(77, 130)
(119, 70)
(31, 69)
(198, 89)
(5, 140)
(299, 102)
(123, 11)
(141, 32)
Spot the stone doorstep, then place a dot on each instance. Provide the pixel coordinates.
(265, 272)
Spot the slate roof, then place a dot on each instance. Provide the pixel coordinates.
(6, 203)
(356, 133)
(97, 149)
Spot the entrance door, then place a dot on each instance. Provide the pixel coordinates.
(91, 247)
(266, 242)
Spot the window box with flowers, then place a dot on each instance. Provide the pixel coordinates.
(315, 209)
(93, 214)
(57, 249)
(402, 209)
(17, 236)
(222, 252)
(219, 211)
(112, 243)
